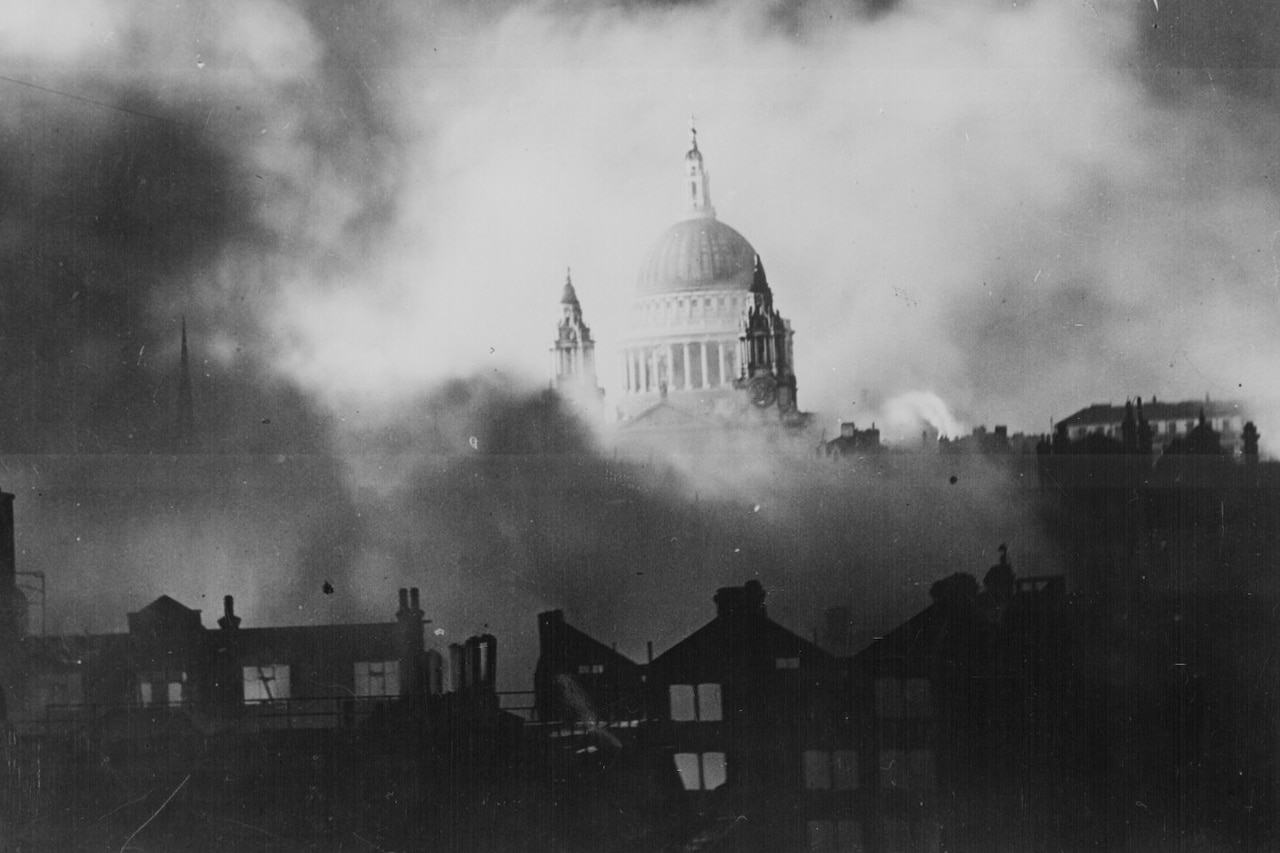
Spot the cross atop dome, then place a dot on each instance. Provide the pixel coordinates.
(697, 179)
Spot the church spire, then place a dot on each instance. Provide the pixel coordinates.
(186, 408)
(697, 181)
(570, 296)
(573, 355)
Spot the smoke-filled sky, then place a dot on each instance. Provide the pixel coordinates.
(1020, 208)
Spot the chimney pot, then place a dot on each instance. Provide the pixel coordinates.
(404, 598)
(413, 598)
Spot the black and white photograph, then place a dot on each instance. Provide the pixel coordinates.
(639, 426)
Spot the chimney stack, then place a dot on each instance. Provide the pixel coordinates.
(740, 602)
(412, 644)
(229, 621)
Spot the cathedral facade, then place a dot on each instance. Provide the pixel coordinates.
(704, 341)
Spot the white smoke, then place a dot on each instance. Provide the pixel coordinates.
(904, 415)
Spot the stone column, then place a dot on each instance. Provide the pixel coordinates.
(724, 380)
(688, 374)
(705, 378)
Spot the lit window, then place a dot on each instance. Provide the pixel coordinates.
(591, 669)
(682, 707)
(701, 703)
(701, 772)
(787, 663)
(379, 678)
(709, 702)
(161, 688)
(266, 683)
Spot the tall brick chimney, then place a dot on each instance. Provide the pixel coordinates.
(412, 646)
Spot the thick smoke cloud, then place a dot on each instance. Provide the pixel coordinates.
(1015, 210)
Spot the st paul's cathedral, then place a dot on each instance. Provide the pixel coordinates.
(705, 348)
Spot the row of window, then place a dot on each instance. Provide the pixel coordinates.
(696, 702)
(371, 679)
(823, 770)
(271, 682)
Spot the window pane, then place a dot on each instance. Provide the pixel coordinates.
(144, 692)
(265, 683)
(687, 767)
(282, 681)
(817, 769)
(682, 702)
(175, 692)
(713, 770)
(709, 702)
(787, 663)
(844, 770)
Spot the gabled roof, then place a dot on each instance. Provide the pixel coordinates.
(567, 644)
(906, 646)
(164, 614)
(738, 640)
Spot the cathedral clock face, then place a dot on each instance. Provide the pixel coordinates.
(763, 391)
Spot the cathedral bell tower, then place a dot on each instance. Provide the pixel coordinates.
(573, 355)
(764, 349)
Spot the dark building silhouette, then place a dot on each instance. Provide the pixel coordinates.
(756, 723)
(853, 441)
(1166, 422)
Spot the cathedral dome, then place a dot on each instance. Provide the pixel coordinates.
(697, 254)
